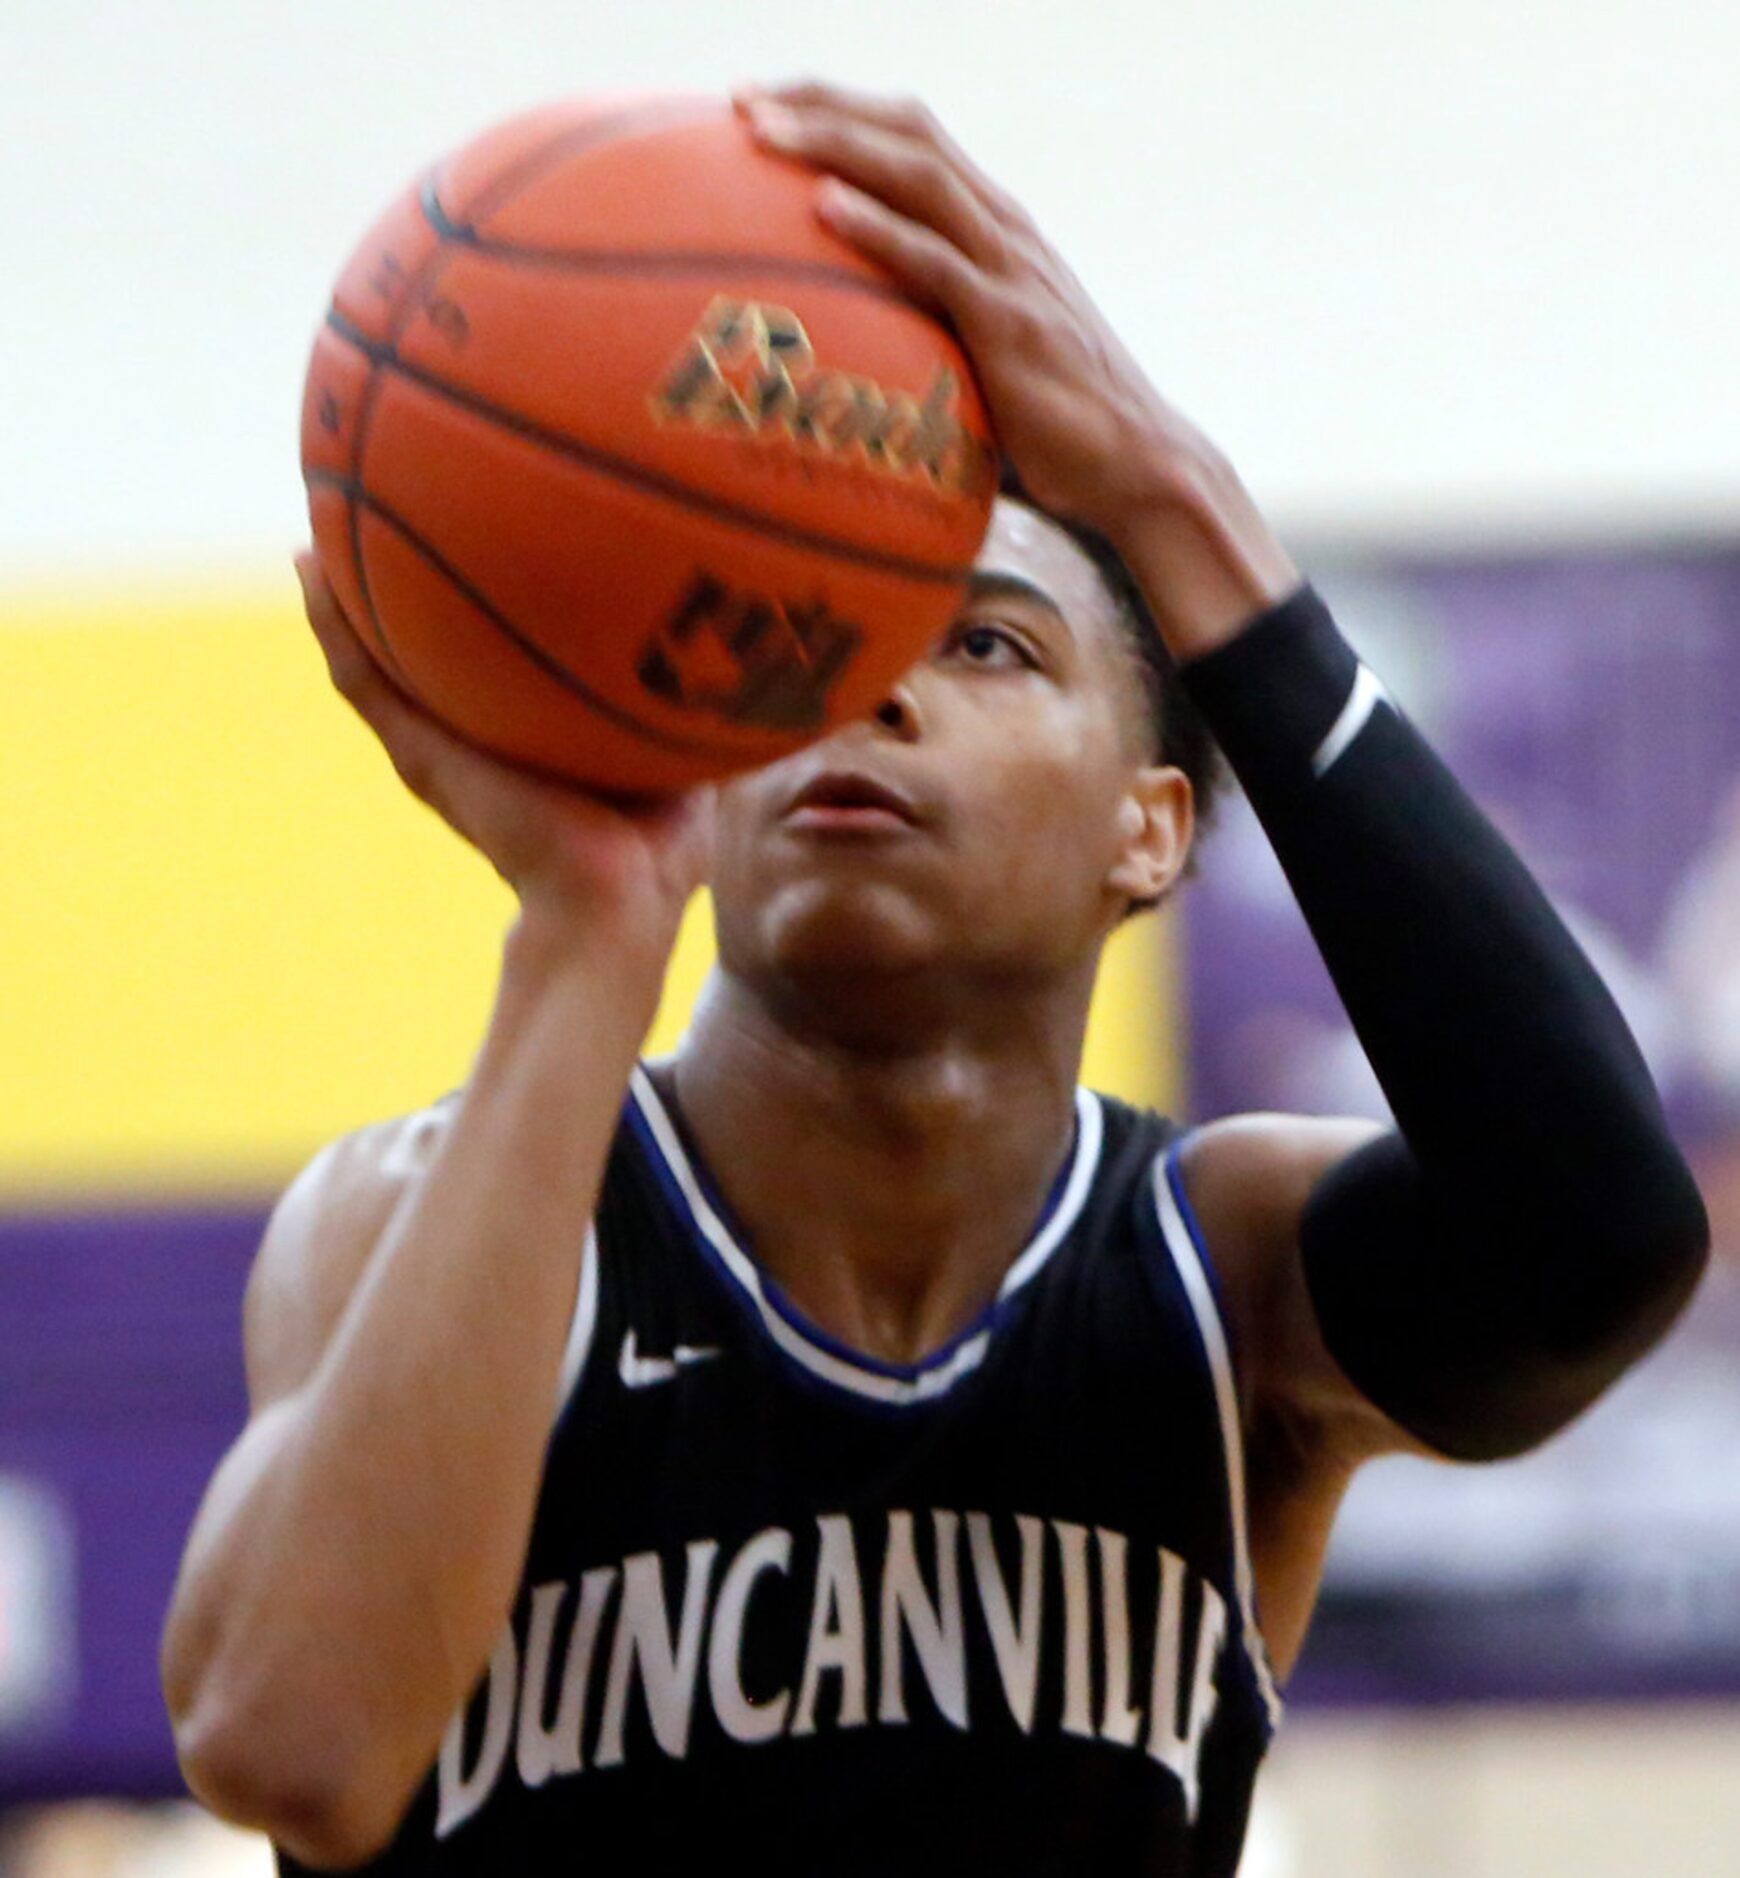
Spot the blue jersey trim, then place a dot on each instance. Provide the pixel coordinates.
(988, 1318)
(1193, 1268)
(772, 1291)
(696, 1201)
(1198, 1238)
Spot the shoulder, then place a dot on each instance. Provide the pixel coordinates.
(318, 1240)
(1249, 1176)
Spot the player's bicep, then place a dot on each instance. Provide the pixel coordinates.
(315, 1250)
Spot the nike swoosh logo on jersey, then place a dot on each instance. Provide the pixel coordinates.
(644, 1372)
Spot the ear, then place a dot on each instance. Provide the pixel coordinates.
(1155, 821)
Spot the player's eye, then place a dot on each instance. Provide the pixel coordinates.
(992, 648)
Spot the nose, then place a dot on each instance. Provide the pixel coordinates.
(898, 713)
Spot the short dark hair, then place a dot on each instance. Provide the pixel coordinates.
(1178, 735)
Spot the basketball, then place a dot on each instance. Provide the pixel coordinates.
(623, 465)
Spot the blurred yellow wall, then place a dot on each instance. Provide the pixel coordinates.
(229, 933)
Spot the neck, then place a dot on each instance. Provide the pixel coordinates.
(886, 1188)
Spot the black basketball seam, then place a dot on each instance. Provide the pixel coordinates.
(359, 437)
(500, 190)
(678, 262)
(652, 482)
(551, 666)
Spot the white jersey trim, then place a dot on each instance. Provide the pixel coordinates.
(580, 1330)
(925, 1381)
(1191, 1260)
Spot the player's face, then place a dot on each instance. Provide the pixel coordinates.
(999, 812)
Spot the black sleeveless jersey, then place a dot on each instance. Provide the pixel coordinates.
(793, 1608)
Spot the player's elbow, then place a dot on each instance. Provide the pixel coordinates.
(1645, 1243)
(1636, 1269)
(314, 1799)
(1483, 1320)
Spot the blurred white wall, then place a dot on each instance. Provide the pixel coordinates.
(1422, 270)
(1618, 1792)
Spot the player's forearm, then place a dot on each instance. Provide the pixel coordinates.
(1197, 545)
(1534, 1227)
(352, 1581)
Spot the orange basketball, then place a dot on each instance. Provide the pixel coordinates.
(625, 466)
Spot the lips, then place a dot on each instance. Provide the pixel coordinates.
(848, 799)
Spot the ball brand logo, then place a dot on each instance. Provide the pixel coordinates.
(750, 368)
(766, 664)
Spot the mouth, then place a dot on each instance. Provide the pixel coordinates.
(846, 803)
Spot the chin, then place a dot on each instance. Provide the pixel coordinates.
(847, 928)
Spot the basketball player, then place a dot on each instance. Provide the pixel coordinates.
(847, 1447)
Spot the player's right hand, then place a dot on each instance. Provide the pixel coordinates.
(573, 859)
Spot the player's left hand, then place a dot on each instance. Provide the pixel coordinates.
(1089, 436)
(1087, 433)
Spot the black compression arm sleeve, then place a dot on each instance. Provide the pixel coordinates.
(1485, 1271)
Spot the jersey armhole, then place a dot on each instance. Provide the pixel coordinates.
(1185, 1245)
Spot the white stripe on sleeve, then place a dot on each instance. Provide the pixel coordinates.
(1367, 694)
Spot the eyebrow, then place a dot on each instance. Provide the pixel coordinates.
(994, 584)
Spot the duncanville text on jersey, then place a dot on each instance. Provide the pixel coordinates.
(897, 1609)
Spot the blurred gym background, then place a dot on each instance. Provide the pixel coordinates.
(1452, 287)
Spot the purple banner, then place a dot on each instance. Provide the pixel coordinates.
(1592, 705)
(120, 1388)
